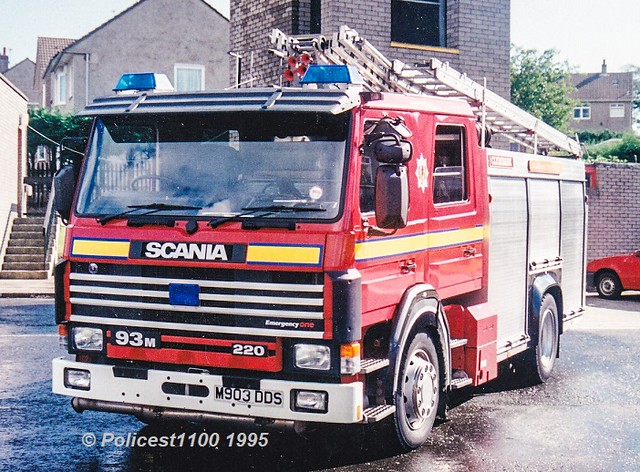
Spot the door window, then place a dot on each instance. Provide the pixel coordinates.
(450, 168)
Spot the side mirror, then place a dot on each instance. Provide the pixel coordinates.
(64, 186)
(392, 196)
(389, 149)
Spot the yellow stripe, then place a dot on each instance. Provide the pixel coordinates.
(419, 242)
(283, 254)
(391, 246)
(100, 248)
(458, 236)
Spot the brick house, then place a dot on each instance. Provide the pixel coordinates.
(188, 43)
(474, 37)
(47, 48)
(14, 119)
(605, 101)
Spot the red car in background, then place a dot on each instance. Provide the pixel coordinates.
(611, 275)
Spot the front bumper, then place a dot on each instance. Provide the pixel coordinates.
(344, 400)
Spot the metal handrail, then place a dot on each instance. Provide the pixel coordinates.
(49, 226)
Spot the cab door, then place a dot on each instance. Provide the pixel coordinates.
(456, 230)
(389, 261)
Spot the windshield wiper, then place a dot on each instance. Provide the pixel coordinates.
(153, 207)
(268, 209)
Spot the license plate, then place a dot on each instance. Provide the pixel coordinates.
(249, 396)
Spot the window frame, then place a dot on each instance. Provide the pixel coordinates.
(188, 67)
(401, 35)
(583, 111)
(617, 106)
(465, 191)
(60, 94)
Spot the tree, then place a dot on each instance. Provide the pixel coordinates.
(540, 85)
(52, 127)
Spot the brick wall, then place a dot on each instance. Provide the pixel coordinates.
(478, 34)
(251, 23)
(13, 128)
(614, 210)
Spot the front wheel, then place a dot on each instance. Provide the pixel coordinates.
(418, 392)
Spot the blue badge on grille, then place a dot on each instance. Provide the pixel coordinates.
(184, 294)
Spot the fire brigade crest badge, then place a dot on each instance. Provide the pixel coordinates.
(422, 173)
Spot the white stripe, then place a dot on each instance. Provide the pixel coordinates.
(197, 309)
(202, 296)
(197, 327)
(202, 283)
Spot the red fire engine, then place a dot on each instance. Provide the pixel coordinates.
(330, 253)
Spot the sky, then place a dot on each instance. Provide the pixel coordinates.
(584, 32)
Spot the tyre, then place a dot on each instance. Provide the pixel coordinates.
(539, 361)
(608, 285)
(418, 393)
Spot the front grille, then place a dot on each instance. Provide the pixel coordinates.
(233, 302)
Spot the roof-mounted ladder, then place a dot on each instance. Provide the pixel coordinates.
(434, 78)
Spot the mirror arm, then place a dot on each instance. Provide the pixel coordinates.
(372, 230)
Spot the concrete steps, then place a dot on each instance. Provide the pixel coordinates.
(25, 255)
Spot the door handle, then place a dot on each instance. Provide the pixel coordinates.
(408, 266)
(469, 252)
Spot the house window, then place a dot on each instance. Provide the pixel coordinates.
(316, 17)
(582, 112)
(616, 110)
(60, 90)
(420, 22)
(189, 77)
(450, 169)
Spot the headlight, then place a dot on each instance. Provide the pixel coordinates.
(77, 378)
(309, 400)
(312, 356)
(87, 339)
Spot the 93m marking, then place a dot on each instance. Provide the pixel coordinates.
(136, 339)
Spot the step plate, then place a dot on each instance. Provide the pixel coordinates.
(371, 365)
(460, 383)
(378, 413)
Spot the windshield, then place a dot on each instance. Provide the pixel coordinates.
(215, 165)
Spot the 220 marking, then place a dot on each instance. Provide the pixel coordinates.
(253, 350)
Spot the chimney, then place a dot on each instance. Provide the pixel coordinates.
(4, 61)
(604, 67)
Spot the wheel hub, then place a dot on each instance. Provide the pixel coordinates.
(607, 286)
(420, 390)
(547, 338)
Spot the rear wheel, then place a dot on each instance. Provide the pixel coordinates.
(418, 392)
(539, 361)
(608, 285)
